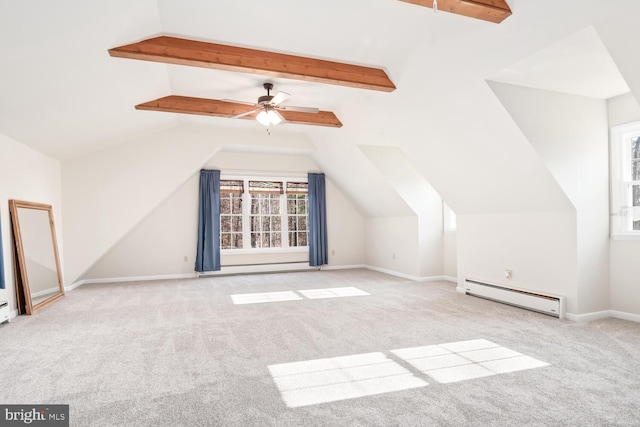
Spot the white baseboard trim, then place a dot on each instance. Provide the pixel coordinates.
(343, 267)
(45, 292)
(625, 316)
(129, 279)
(259, 268)
(406, 276)
(587, 317)
(461, 289)
(450, 279)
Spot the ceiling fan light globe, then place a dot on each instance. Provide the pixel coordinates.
(263, 118)
(274, 118)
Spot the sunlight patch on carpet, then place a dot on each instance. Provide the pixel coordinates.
(261, 297)
(465, 360)
(333, 293)
(328, 380)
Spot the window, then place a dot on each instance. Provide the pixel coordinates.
(263, 214)
(625, 180)
(297, 201)
(231, 214)
(266, 221)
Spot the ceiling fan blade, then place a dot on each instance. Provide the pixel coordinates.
(239, 102)
(300, 109)
(239, 116)
(279, 97)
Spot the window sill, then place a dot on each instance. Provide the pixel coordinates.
(626, 236)
(254, 251)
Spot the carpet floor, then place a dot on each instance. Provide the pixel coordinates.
(181, 353)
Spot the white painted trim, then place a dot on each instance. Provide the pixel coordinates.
(461, 289)
(587, 317)
(406, 276)
(13, 313)
(392, 273)
(45, 292)
(343, 267)
(129, 279)
(625, 316)
(450, 279)
(259, 268)
(625, 236)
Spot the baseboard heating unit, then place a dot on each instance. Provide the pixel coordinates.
(542, 303)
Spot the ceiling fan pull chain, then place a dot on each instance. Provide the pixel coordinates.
(435, 6)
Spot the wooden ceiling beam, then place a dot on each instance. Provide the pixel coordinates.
(218, 108)
(488, 10)
(179, 51)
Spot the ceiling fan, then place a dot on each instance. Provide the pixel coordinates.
(269, 106)
(268, 110)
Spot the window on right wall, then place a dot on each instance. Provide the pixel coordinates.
(625, 181)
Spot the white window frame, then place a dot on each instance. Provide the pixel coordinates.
(246, 216)
(621, 214)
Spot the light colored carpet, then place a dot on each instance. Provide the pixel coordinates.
(180, 353)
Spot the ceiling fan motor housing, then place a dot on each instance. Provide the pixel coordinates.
(265, 99)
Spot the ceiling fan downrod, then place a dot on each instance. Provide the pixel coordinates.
(266, 99)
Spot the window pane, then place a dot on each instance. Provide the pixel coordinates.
(302, 206)
(225, 204)
(276, 222)
(225, 241)
(225, 223)
(291, 205)
(237, 223)
(237, 204)
(238, 240)
(635, 147)
(275, 205)
(302, 223)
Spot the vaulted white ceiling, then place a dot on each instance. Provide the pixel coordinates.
(61, 93)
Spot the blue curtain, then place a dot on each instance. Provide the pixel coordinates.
(318, 247)
(208, 251)
(2, 284)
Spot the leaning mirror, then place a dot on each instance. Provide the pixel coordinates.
(39, 277)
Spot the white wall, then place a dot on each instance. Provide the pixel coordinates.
(164, 243)
(423, 200)
(539, 248)
(450, 255)
(392, 245)
(107, 193)
(25, 174)
(625, 268)
(569, 133)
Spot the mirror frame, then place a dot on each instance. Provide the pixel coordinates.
(23, 293)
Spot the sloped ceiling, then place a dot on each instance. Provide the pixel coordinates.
(65, 96)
